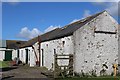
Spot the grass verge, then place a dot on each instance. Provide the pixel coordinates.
(91, 78)
(4, 64)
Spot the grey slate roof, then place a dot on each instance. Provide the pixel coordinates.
(14, 44)
(61, 32)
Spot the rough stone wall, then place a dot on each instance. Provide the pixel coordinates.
(119, 48)
(58, 46)
(95, 51)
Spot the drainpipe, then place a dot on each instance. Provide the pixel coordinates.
(39, 41)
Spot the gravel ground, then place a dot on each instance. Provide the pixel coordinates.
(23, 73)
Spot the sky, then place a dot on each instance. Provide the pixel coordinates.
(25, 20)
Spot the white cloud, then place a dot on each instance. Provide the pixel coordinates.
(85, 14)
(28, 34)
(113, 9)
(51, 28)
(75, 20)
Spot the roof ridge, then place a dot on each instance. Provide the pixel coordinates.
(83, 19)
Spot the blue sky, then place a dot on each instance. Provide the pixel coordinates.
(25, 20)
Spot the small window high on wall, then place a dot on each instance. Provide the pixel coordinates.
(54, 51)
(47, 45)
(63, 43)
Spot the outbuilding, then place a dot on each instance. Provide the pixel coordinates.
(9, 49)
(92, 41)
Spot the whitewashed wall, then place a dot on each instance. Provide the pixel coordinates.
(60, 48)
(32, 52)
(92, 50)
(119, 48)
(22, 55)
(36, 47)
(2, 54)
(14, 54)
(31, 57)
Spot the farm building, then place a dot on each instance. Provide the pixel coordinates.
(92, 41)
(9, 49)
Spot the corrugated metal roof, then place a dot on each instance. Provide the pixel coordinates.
(61, 32)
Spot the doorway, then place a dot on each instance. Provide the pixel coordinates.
(17, 53)
(26, 56)
(8, 55)
(42, 57)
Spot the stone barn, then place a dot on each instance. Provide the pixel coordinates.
(97, 43)
(93, 41)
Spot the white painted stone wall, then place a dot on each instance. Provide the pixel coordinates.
(22, 55)
(29, 50)
(36, 47)
(92, 50)
(31, 57)
(119, 48)
(14, 54)
(60, 48)
(2, 54)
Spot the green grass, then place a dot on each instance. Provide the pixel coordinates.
(92, 78)
(4, 64)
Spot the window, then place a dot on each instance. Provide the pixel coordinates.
(47, 45)
(63, 42)
(54, 51)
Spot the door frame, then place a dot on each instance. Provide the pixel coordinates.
(26, 56)
(10, 56)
